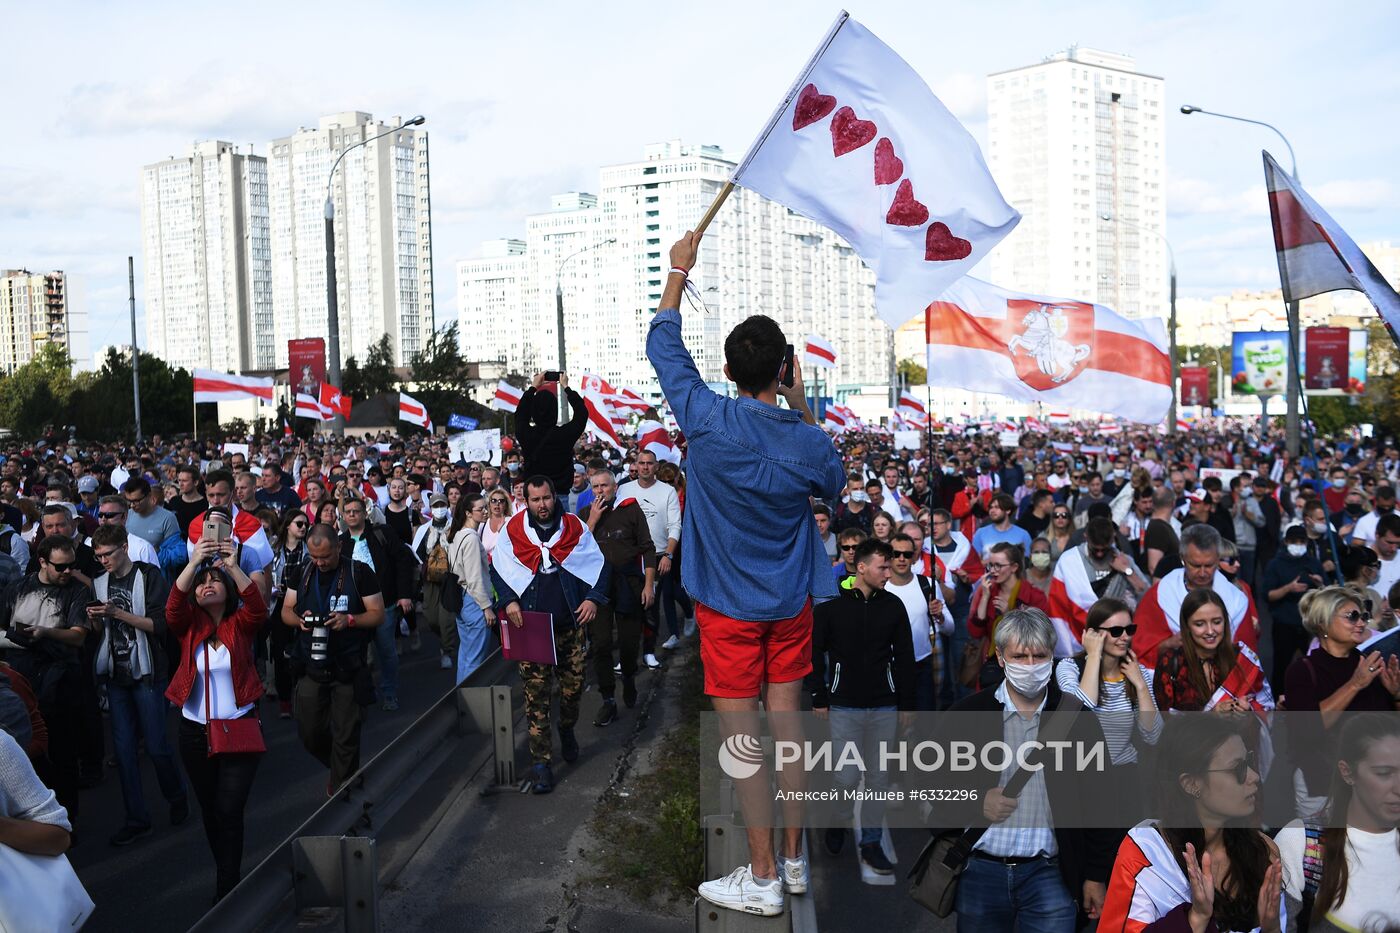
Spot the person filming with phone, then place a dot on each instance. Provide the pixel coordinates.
(548, 446)
(334, 608)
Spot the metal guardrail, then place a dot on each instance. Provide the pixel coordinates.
(330, 859)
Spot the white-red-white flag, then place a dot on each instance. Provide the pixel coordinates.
(414, 412)
(600, 420)
(1315, 254)
(911, 406)
(861, 145)
(1069, 353)
(834, 419)
(819, 352)
(309, 406)
(630, 399)
(507, 397)
(211, 386)
(653, 436)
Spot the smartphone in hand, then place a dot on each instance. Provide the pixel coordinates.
(786, 375)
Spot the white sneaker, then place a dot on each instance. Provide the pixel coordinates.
(739, 890)
(617, 668)
(670, 643)
(651, 661)
(794, 873)
(445, 663)
(689, 627)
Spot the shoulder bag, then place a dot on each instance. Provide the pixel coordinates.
(40, 893)
(242, 736)
(933, 879)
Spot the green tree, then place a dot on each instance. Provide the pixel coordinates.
(376, 374)
(912, 373)
(442, 379)
(37, 394)
(102, 408)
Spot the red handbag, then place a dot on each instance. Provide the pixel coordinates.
(242, 736)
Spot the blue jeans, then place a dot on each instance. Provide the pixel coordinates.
(866, 728)
(139, 712)
(474, 638)
(1030, 897)
(386, 648)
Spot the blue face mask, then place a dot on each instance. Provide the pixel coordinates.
(1339, 484)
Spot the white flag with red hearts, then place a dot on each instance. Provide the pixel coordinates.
(861, 145)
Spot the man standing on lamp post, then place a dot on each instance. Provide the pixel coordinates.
(753, 582)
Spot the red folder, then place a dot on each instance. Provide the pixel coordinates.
(532, 641)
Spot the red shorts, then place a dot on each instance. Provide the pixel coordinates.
(740, 657)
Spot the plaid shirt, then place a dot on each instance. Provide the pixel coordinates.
(1030, 829)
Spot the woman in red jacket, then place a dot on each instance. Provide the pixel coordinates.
(216, 632)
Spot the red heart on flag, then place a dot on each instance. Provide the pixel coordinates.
(812, 105)
(849, 132)
(888, 166)
(905, 211)
(940, 245)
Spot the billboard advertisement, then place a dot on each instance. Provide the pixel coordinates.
(1334, 361)
(306, 365)
(1195, 385)
(1259, 362)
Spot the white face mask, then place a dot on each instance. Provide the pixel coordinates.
(1028, 679)
(1297, 550)
(439, 513)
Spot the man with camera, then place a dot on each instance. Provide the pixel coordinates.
(392, 564)
(333, 607)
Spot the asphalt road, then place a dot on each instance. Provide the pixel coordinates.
(165, 882)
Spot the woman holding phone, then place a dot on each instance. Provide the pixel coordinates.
(216, 611)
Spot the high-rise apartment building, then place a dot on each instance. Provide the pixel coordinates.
(207, 259)
(1073, 140)
(608, 253)
(383, 236)
(36, 309)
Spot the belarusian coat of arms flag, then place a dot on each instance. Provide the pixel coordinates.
(861, 145)
(1069, 354)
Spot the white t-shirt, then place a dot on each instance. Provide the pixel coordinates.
(222, 704)
(1373, 864)
(1390, 572)
(916, 605)
(1365, 530)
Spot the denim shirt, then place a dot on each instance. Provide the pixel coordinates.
(752, 548)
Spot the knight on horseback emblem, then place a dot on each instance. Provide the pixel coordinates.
(1043, 339)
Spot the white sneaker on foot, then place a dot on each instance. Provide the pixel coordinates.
(445, 663)
(739, 890)
(689, 629)
(651, 661)
(670, 643)
(794, 873)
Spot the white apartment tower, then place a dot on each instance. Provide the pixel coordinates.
(757, 257)
(1071, 140)
(36, 309)
(206, 259)
(383, 237)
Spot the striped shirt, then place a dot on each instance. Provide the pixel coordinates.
(1030, 829)
(1117, 715)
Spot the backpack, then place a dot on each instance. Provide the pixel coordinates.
(437, 564)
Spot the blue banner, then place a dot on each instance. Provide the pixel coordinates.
(462, 422)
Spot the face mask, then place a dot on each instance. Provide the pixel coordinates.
(1339, 484)
(949, 471)
(513, 467)
(439, 513)
(1083, 490)
(1028, 679)
(1040, 561)
(1247, 492)
(1354, 508)
(1297, 550)
(860, 495)
(1319, 528)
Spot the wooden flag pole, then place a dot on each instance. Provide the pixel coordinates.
(714, 207)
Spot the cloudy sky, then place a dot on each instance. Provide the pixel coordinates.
(527, 99)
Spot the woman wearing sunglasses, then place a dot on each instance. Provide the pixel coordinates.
(1060, 531)
(1202, 865)
(1332, 679)
(498, 512)
(1109, 680)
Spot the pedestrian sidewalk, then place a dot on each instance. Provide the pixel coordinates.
(514, 861)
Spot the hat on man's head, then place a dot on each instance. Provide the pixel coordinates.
(437, 499)
(1198, 495)
(87, 484)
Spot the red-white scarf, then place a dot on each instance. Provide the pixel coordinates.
(519, 554)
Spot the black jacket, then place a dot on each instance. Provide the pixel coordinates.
(549, 447)
(393, 562)
(869, 648)
(1084, 854)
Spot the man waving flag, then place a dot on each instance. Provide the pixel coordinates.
(861, 145)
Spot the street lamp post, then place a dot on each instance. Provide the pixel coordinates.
(332, 304)
(559, 317)
(1171, 314)
(1295, 388)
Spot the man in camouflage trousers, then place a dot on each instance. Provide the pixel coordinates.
(547, 561)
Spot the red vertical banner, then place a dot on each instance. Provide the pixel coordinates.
(1195, 385)
(1326, 356)
(306, 365)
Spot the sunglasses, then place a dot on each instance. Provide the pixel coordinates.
(1356, 615)
(63, 568)
(1240, 769)
(903, 555)
(105, 515)
(299, 524)
(848, 547)
(1060, 515)
(1118, 631)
